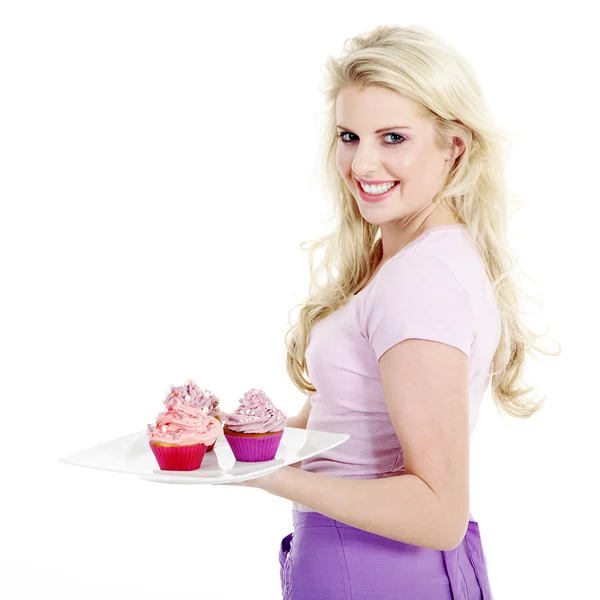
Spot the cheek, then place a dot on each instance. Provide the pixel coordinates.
(409, 162)
(342, 161)
(344, 167)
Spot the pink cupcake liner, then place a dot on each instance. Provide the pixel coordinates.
(254, 449)
(179, 458)
(212, 446)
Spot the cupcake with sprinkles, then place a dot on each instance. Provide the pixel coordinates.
(254, 430)
(181, 435)
(196, 396)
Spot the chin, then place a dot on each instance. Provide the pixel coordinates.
(378, 217)
(375, 221)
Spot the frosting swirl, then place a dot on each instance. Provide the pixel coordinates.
(255, 414)
(194, 396)
(183, 424)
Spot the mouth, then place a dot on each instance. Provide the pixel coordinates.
(376, 197)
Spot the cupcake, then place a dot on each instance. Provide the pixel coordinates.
(196, 396)
(181, 435)
(254, 430)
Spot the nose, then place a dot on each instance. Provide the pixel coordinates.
(365, 162)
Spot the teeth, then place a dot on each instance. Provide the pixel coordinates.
(377, 189)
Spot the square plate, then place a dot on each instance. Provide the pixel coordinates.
(131, 454)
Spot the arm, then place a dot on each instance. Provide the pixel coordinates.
(402, 508)
(426, 389)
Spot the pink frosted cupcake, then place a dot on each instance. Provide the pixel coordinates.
(181, 435)
(196, 396)
(254, 430)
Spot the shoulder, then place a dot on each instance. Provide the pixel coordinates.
(443, 256)
(417, 295)
(415, 272)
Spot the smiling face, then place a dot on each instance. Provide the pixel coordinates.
(382, 138)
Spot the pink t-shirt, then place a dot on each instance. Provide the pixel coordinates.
(435, 288)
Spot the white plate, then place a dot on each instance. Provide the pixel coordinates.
(132, 454)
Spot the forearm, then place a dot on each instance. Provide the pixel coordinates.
(403, 508)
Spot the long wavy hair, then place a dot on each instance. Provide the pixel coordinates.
(420, 66)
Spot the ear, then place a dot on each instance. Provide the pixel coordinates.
(459, 148)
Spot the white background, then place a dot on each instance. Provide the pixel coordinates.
(158, 175)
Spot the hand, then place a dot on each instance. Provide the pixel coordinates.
(265, 482)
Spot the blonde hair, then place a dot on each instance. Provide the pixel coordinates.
(420, 66)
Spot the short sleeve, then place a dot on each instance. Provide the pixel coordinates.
(417, 296)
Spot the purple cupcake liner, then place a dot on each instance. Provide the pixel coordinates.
(254, 449)
(179, 458)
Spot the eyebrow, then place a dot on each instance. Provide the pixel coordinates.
(380, 130)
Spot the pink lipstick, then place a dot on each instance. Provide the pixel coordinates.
(376, 197)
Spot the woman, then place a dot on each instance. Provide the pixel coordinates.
(403, 338)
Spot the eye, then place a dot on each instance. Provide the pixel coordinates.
(343, 133)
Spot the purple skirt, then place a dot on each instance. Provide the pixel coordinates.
(326, 559)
